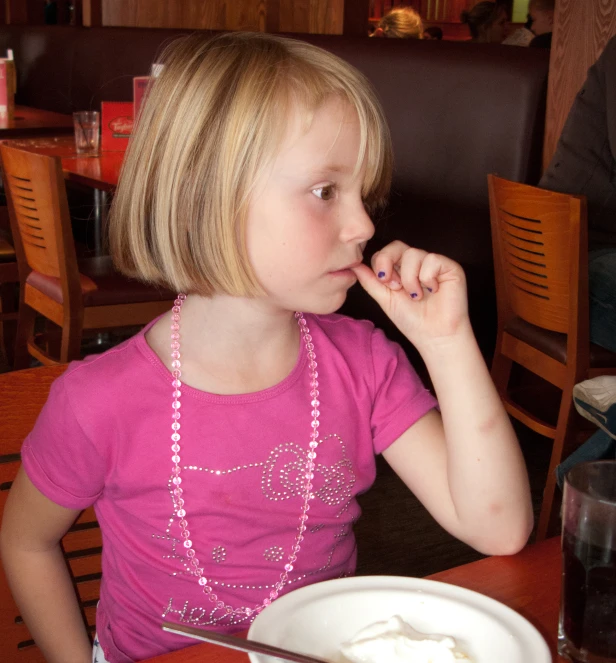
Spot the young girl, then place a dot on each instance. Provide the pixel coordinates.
(223, 447)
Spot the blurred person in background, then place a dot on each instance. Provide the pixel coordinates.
(433, 32)
(487, 22)
(541, 13)
(522, 36)
(585, 163)
(401, 23)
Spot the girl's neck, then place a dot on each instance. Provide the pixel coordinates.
(230, 345)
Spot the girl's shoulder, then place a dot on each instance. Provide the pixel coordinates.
(337, 326)
(125, 367)
(343, 329)
(358, 341)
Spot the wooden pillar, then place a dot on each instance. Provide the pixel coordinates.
(582, 28)
(92, 13)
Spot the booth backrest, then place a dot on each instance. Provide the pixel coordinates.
(457, 111)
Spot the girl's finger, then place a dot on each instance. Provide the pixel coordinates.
(410, 268)
(379, 291)
(384, 261)
(429, 273)
(435, 269)
(385, 266)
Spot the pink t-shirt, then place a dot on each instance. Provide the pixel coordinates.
(103, 438)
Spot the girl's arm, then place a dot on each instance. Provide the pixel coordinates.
(466, 466)
(32, 527)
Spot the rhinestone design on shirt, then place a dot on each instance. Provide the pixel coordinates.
(336, 506)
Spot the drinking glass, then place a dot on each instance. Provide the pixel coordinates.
(87, 132)
(587, 624)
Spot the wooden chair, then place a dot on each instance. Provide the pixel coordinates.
(75, 295)
(24, 394)
(541, 269)
(9, 278)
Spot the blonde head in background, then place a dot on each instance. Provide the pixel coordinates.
(401, 23)
(213, 119)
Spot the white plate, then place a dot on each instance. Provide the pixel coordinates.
(317, 618)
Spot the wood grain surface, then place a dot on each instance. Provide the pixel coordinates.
(581, 30)
(307, 16)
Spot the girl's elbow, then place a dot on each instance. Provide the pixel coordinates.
(511, 539)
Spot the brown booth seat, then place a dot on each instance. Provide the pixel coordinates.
(457, 111)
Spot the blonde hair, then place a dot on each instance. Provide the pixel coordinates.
(213, 119)
(402, 22)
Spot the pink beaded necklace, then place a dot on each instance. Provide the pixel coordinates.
(176, 470)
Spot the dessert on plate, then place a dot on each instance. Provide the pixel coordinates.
(396, 641)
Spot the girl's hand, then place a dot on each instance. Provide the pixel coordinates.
(424, 294)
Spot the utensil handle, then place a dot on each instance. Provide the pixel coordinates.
(233, 642)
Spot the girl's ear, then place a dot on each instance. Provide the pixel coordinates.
(379, 32)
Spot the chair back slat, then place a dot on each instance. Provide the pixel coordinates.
(81, 545)
(36, 197)
(85, 565)
(536, 237)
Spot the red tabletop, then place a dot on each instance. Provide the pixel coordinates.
(34, 121)
(528, 582)
(101, 172)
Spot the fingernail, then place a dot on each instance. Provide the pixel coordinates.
(413, 295)
(381, 275)
(429, 289)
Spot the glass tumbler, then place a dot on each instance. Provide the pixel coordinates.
(587, 624)
(87, 132)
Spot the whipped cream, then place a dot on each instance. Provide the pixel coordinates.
(395, 641)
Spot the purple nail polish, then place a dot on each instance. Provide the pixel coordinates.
(429, 289)
(413, 295)
(381, 275)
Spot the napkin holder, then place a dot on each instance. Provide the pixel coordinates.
(117, 122)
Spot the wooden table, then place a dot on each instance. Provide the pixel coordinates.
(35, 122)
(100, 172)
(528, 582)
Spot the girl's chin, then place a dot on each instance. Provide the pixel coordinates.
(325, 307)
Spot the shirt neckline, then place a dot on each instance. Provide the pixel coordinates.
(231, 399)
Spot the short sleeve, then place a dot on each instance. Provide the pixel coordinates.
(59, 458)
(400, 396)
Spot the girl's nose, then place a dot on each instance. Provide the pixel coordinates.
(357, 225)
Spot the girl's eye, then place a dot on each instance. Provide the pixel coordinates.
(324, 192)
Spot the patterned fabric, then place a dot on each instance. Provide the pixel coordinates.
(103, 438)
(98, 655)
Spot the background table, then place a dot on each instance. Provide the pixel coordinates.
(528, 582)
(100, 172)
(35, 122)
